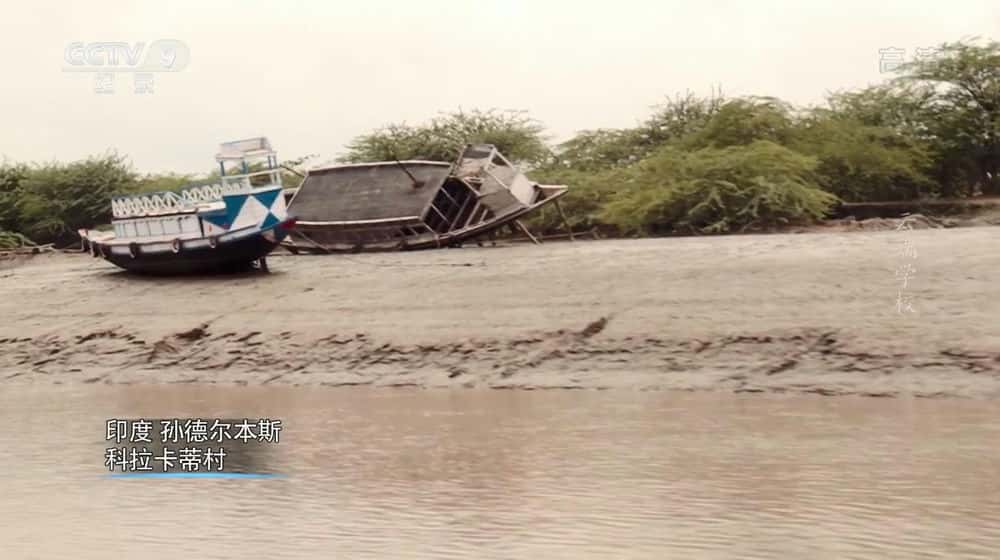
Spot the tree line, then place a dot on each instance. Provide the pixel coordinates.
(696, 164)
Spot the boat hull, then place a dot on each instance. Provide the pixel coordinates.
(193, 257)
(325, 239)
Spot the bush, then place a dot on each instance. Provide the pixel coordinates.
(739, 122)
(859, 162)
(677, 118)
(163, 182)
(55, 199)
(11, 240)
(596, 150)
(680, 116)
(516, 135)
(588, 193)
(11, 177)
(718, 190)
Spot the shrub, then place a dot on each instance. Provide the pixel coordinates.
(718, 190)
(516, 135)
(56, 199)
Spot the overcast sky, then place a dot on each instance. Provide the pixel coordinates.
(313, 74)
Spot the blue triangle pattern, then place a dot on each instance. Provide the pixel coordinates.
(270, 221)
(233, 206)
(267, 198)
(218, 221)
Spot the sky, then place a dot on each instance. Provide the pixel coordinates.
(311, 75)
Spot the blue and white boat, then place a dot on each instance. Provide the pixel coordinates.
(226, 226)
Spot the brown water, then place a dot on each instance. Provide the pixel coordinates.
(385, 473)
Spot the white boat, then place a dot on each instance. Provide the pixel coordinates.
(230, 225)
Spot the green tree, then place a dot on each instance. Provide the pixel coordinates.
(963, 110)
(56, 199)
(680, 116)
(11, 178)
(516, 135)
(900, 107)
(676, 118)
(158, 182)
(860, 162)
(595, 150)
(590, 191)
(739, 122)
(718, 190)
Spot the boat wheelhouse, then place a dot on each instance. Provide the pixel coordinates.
(228, 225)
(413, 204)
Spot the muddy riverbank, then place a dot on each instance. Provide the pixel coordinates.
(809, 313)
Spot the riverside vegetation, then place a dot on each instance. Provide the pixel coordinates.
(697, 164)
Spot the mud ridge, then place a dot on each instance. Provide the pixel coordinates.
(812, 361)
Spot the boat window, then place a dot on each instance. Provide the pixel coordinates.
(261, 180)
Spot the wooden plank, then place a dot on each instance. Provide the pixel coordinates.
(565, 221)
(526, 232)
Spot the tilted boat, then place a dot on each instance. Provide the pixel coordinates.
(413, 204)
(216, 227)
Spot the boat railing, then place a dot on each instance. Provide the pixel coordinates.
(148, 204)
(245, 177)
(189, 199)
(203, 193)
(214, 192)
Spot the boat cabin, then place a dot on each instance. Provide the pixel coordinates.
(247, 194)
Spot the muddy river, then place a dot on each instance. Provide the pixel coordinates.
(403, 473)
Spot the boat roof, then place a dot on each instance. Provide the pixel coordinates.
(368, 191)
(408, 162)
(244, 149)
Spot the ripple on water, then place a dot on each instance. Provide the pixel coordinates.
(400, 474)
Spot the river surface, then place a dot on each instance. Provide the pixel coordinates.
(398, 473)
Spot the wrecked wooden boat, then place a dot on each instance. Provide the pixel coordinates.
(215, 227)
(402, 205)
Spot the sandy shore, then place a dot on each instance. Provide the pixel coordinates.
(812, 313)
